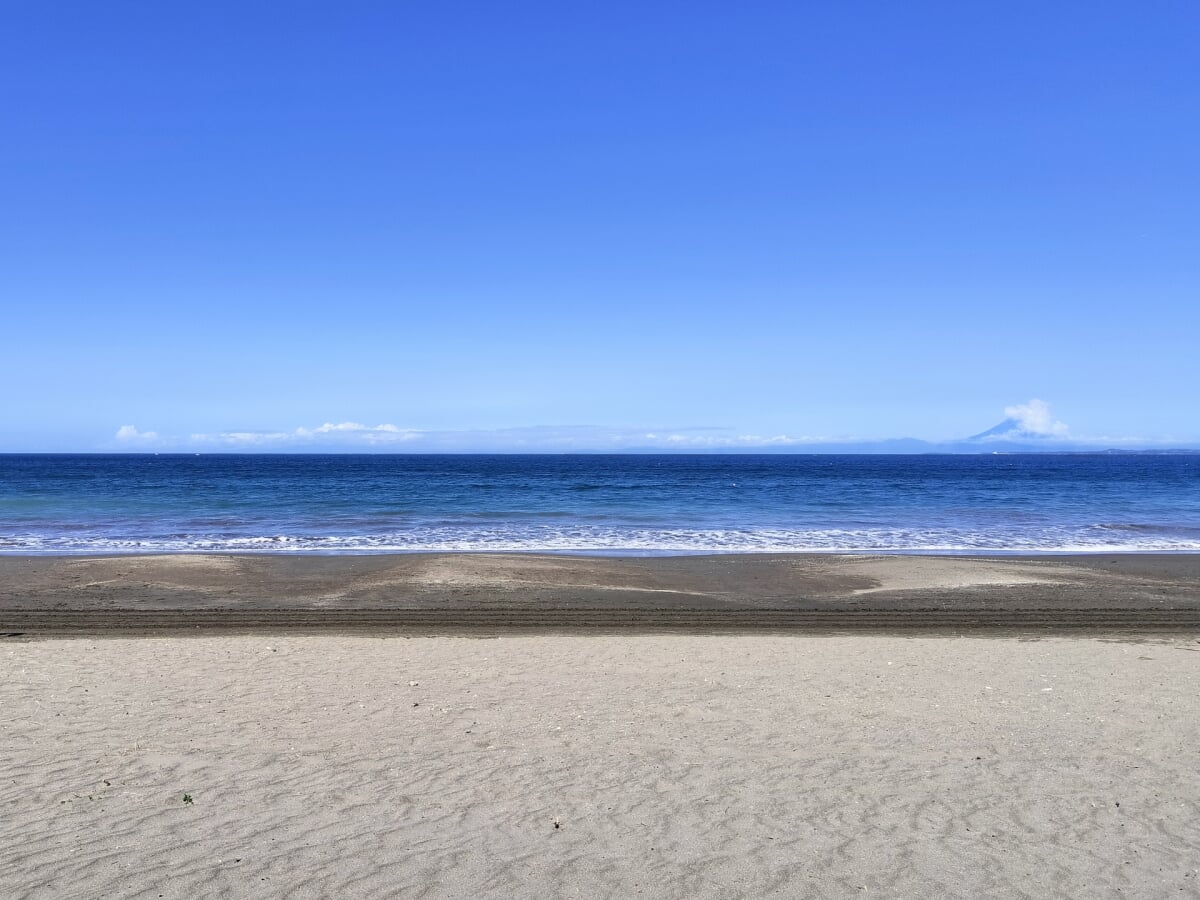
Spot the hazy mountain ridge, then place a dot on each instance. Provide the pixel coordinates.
(1009, 436)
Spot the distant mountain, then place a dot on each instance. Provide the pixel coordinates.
(1009, 429)
(1010, 436)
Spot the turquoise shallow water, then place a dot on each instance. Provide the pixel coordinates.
(599, 504)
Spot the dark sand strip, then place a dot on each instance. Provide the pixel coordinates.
(490, 592)
(19, 623)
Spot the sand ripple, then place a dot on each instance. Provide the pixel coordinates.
(673, 766)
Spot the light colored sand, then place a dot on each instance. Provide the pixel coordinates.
(942, 573)
(675, 766)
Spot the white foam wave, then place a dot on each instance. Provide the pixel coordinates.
(613, 540)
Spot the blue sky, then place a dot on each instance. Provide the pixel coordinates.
(577, 226)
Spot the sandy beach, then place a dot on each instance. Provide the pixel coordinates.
(674, 758)
(585, 766)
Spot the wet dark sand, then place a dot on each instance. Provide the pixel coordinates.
(466, 592)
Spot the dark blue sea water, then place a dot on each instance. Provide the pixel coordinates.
(598, 504)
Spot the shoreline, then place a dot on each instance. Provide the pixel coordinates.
(973, 553)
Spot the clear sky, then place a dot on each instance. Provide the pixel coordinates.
(579, 225)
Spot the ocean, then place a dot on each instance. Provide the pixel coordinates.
(604, 504)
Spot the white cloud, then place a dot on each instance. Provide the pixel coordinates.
(370, 434)
(1034, 417)
(336, 434)
(129, 434)
(717, 442)
(353, 427)
(255, 437)
(349, 436)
